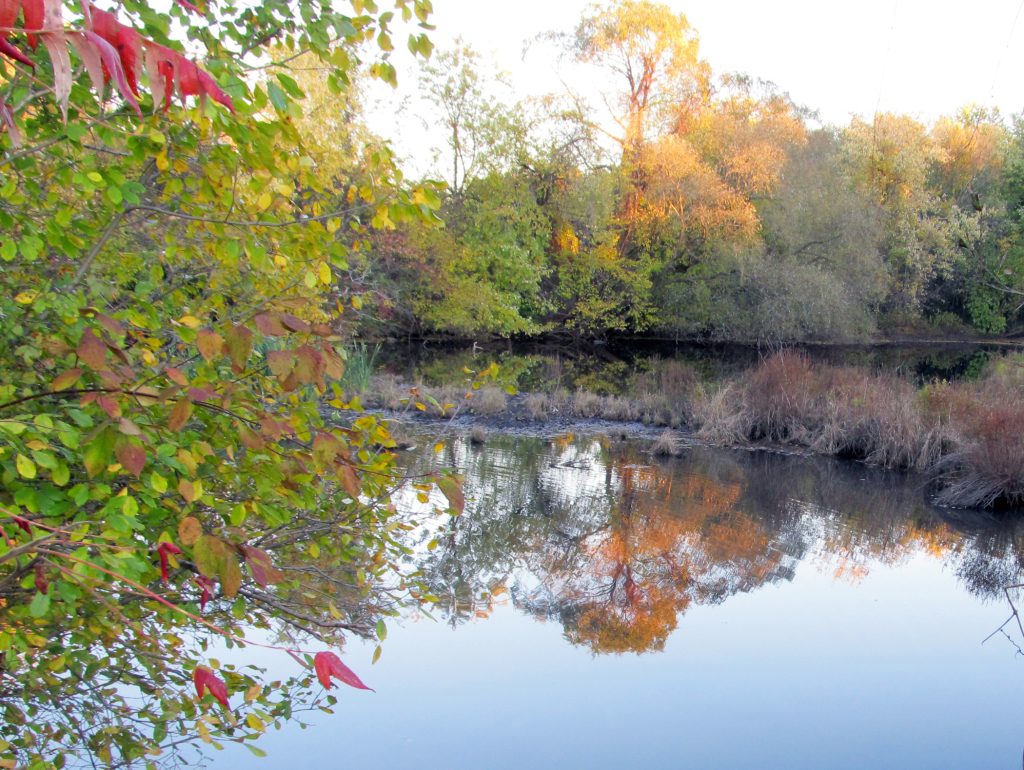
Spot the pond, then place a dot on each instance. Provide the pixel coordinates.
(603, 608)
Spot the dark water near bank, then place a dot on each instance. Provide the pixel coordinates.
(723, 609)
(611, 369)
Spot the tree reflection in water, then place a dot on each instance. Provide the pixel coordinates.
(616, 546)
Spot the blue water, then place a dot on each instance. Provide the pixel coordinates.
(857, 643)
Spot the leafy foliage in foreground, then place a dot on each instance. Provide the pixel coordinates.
(168, 293)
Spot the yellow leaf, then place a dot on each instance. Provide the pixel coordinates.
(26, 297)
(190, 321)
(161, 160)
(325, 273)
(26, 467)
(255, 723)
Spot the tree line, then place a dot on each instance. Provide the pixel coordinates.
(689, 204)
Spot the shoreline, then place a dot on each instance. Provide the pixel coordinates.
(965, 438)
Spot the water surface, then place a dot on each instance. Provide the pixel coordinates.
(601, 608)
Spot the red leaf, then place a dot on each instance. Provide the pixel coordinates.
(57, 48)
(65, 380)
(207, 585)
(204, 679)
(167, 67)
(210, 344)
(42, 584)
(35, 14)
(23, 524)
(92, 350)
(202, 394)
(11, 52)
(116, 62)
(293, 323)
(270, 325)
(328, 665)
(7, 118)
(109, 405)
(176, 376)
(8, 14)
(125, 41)
(112, 325)
(179, 415)
(91, 59)
(132, 457)
(162, 550)
(262, 568)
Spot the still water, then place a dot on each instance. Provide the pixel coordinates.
(614, 369)
(603, 608)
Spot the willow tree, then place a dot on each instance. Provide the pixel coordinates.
(166, 474)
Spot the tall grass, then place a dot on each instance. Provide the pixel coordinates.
(969, 437)
(360, 363)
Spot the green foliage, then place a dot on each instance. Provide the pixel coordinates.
(983, 305)
(166, 473)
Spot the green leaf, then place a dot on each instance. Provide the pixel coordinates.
(210, 554)
(277, 97)
(39, 605)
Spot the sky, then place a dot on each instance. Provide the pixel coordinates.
(925, 59)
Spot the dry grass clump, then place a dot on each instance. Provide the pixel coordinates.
(618, 409)
(613, 408)
(878, 418)
(478, 435)
(587, 405)
(386, 392)
(841, 411)
(665, 394)
(537, 406)
(986, 467)
(721, 416)
(668, 444)
(488, 402)
(779, 397)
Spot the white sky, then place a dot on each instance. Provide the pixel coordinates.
(921, 58)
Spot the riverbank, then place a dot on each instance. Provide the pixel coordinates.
(966, 437)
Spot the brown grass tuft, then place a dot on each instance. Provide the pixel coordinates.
(488, 402)
(668, 444)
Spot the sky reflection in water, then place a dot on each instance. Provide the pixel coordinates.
(720, 610)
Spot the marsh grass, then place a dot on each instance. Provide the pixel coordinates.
(967, 437)
(668, 444)
(360, 363)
